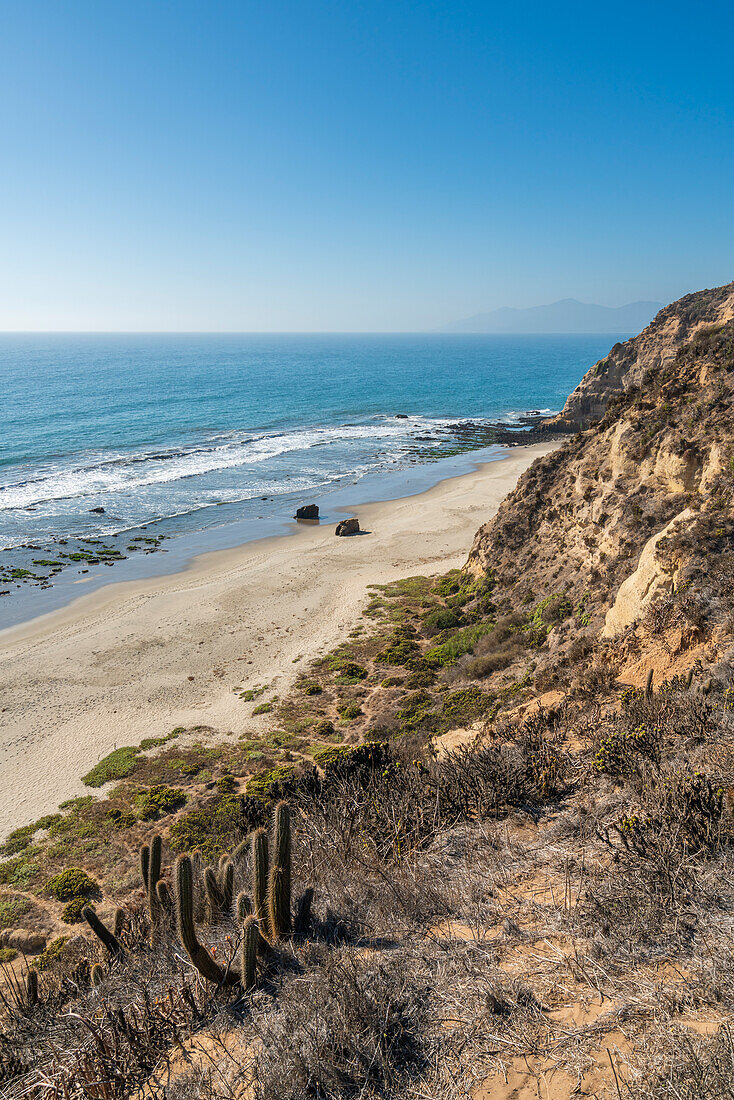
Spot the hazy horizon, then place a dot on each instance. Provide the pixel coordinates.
(445, 331)
(323, 168)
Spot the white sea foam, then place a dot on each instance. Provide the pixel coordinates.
(99, 474)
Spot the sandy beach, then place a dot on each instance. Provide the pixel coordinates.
(136, 659)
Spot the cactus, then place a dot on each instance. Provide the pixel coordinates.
(226, 885)
(31, 985)
(213, 893)
(220, 888)
(303, 912)
(240, 852)
(243, 907)
(165, 897)
(120, 921)
(648, 686)
(197, 866)
(282, 847)
(279, 883)
(97, 974)
(154, 874)
(260, 879)
(102, 932)
(145, 864)
(279, 917)
(248, 961)
(199, 955)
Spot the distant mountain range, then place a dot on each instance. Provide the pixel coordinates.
(568, 315)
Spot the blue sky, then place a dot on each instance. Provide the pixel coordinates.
(357, 166)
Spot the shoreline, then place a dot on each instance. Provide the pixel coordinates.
(134, 659)
(175, 553)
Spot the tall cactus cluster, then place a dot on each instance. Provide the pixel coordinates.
(263, 916)
(201, 894)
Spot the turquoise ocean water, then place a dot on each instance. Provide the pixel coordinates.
(185, 434)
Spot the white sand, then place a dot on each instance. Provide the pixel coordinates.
(134, 660)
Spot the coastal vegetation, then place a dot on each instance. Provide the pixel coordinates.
(481, 847)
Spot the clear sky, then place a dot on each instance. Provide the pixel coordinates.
(357, 166)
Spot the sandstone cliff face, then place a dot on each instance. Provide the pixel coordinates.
(632, 517)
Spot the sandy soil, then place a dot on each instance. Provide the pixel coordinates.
(135, 660)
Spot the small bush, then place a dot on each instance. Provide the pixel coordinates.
(118, 765)
(51, 953)
(443, 618)
(11, 909)
(310, 687)
(217, 828)
(72, 913)
(323, 728)
(7, 954)
(400, 650)
(349, 711)
(158, 801)
(459, 643)
(18, 840)
(72, 883)
(351, 673)
(263, 708)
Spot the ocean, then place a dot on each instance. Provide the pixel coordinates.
(103, 437)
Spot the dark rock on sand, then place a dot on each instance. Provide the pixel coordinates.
(97, 511)
(348, 527)
(308, 511)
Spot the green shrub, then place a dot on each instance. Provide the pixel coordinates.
(351, 673)
(466, 705)
(117, 765)
(7, 954)
(274, 785)
(310, 687)
(72, 883)
(443, 618)
(263, 708)
(159, 800)
(323, 728)
(72, 912)
(152, 742)
(18, 840)
(11, 909)
(617, 752)
(456, 645)
(216, 828)
(120, 819)
(401, 648)
(18, 872)
(51, 953)
(355, 761)
(349, 711)
(416, 709)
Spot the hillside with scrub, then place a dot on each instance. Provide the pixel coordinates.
(482, 848)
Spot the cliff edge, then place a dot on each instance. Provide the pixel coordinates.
(631, 518)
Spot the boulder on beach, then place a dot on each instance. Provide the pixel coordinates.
(97, 511)
(348, 527)
(308, 511)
